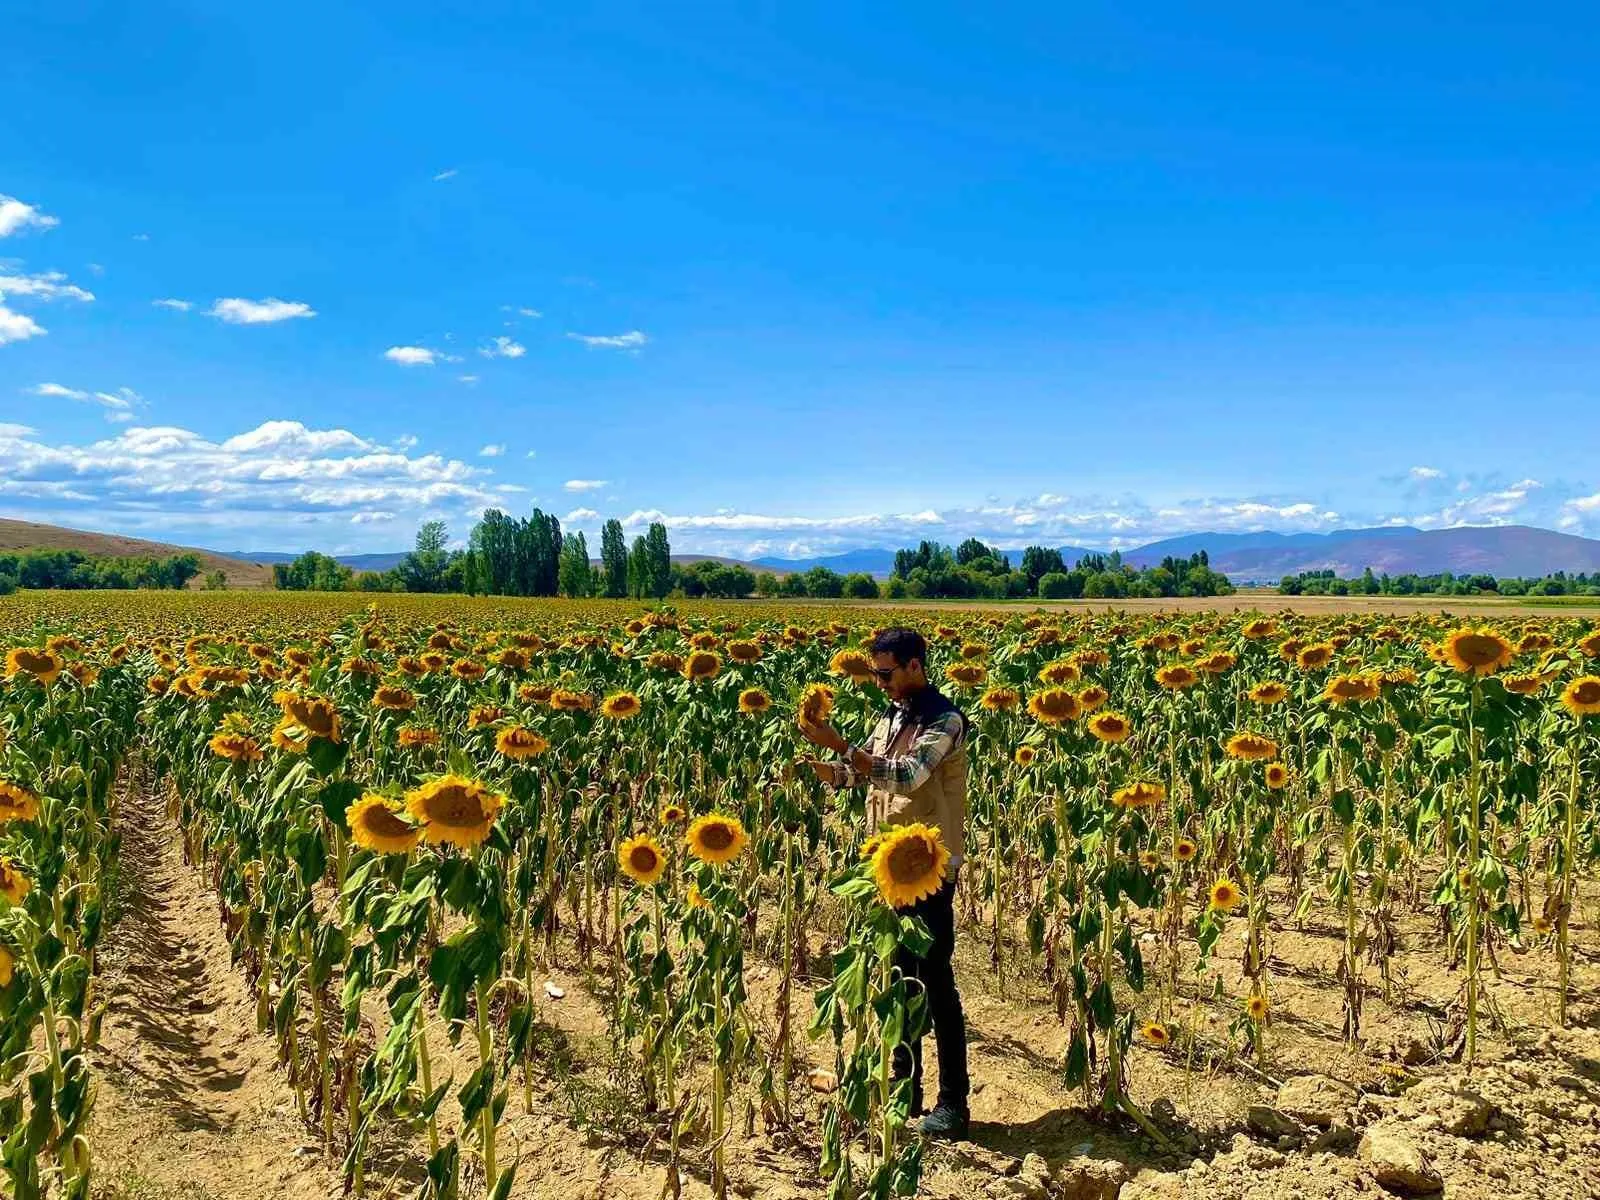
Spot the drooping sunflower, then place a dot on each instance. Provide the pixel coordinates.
(1581, 697)
(1251, 746)
(1259, 628)
(1216, 664)
(852, 665)
(394, 698)
(235, 747)
(1524, 685)
(744, 651)
(1025, 756)
(642, 860)
(1256, 1008)
(716, 839)
(1143, 794)
(485, 715)
(1155, 1033)
(1054, 706)
(454, 810)
(966, 674)
(316, 716)
(1176, 677)
(415, 737)
(1225, 895)
(1315, 657)
(41, 664)
(290, 738)
(1092, 697)
(14, 885)
(1000, 699)
(1062, 670)
(1589, 646)
(702, 665)
(518, 742)
(1184, 850)
(1477, 651)
(376, 824)
(1110, 727)
(1277, 776)
(621, 706)
(17, 803)
(753, 701)
(468, 668)
(1268, 691)
(694, 899)
(564, 700)
(1350, 689)
(816, 703)
(909, 864)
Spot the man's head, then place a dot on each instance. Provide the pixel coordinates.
(899, 660)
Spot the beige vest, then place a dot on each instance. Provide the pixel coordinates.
(940, 802)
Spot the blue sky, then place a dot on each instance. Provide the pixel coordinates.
(798, 278)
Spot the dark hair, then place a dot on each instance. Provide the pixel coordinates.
(904, 644)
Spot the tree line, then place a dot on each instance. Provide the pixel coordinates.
(1446, 583)
(73, 570)
(979, 571)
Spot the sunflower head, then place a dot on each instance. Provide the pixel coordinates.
(1350, 689)
(1092, 697)
(1184, 850)
(1542, 925)
(672, 814)
(1315, 657)
(17, 803)
(1155, 1033)
(1149, 860)
(1477, 651)
(1143, 794)
(394, 698)
(1268, 691)
(1110, 727)
(1277, 776)
(454, 810)
(851, 664)
(1176, 677)
(1256, 1008)
(642, 860)
(716, 839)
(1025, 755)
(8, 965)
(235, 747)
(702, 665)
(966, 674)
(621, 706)
(1589, 646)
(517, 742)
(753, 701)
(1259, 628)
(14, 885)
(41, 665)
(1054, 706)
(909, 864)
(1581, 697)
(1523, 685)
(315, 715)
(1225, 895)
(744, 651)
(1061, 671)
(1000, 699)
(1251, 746)
(694, 899)
(816, 703)
(376, 824)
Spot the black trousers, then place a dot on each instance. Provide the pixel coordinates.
(936, 975)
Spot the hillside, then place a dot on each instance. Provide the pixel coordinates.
(29, 535)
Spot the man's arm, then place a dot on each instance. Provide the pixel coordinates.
(903, 774)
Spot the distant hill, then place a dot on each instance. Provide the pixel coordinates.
(28, 535)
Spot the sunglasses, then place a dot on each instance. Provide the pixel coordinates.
(884, 674)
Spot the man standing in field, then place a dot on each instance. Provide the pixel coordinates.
(915, 769)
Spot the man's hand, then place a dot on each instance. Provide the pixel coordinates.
(828, 772)
(824, 735)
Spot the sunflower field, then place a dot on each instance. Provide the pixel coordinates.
(410, 814)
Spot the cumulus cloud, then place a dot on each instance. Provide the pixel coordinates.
(51, 285)
(585, 485)
(631, 340)
(491, 451)
(581, 516)
(503, 347)
(17, 327)
(16, 216)
(174, 305)
(236, 311)
(410, 356)
(168, 480)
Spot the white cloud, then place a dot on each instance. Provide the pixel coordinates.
(503, 347)
(370, 518)
(619, 341)
(16, 216)
(17, 327)
(443, 175)
(56, 389)
(585, 485)
(521, 310)
(52, 285)
(1585, 503)
(236, 311)
(410, 356)
(119, 405)
(491, 451)
(406, 441)
(174, 305)
(1423, 473)
(141, 237)
(581, 516)
(533, 454)
(468, 379)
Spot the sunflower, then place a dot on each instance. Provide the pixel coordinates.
(1024, 756)
(870, 846)
(41, 664)
(290, 738)
(17, 803)
(1350, 689)
(694, 899)
(376, 824)
(753, 701)
(236, 747)
(642, 859)
(716, 839)
(511, 659)
(702, 665)
(1054, 706)
(1398, 677)
(1581, 697)
(1155, 1033)
(1524, 685)
(1268, 691)
(518, 742)
(621, 706)
(744, 651)
(1000, 699)
(1225, 896)
(1092, 697)
(671, 814)
(157, 685)
(315, 715)
(394, 698)
(1589, 646)
(1277, 776)
(1110, 727)
(1315, 657)
(1480, 651)
(1259, 628)
(1542, 925)
(485, 715)
(1256, 1008)
(467, 668)
(816, 702)
(851, 664)
(966, 674)
(1251, 746)
(563, 700)
(414, 737)
(1143, 794)
(1176, 677)
(8, 965)
(1216, 664)
(455, 810)
(14, 885)
(1149, 860)
(1062, 670)
(1184, 850)
(909, 864)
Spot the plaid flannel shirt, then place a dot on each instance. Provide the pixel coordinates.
(905, 773)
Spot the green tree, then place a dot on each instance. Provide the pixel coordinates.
(614, 559)
(658, 559)
(858, 585)
(639, 570)
(577, 576)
